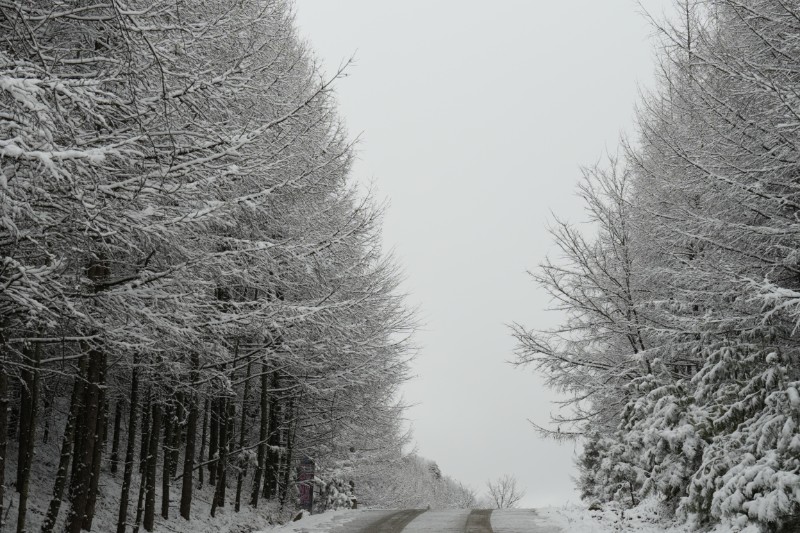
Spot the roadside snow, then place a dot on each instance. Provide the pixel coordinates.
(644, 519)
(321, 523)
(578, 519)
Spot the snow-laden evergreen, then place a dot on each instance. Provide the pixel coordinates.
(680, 356)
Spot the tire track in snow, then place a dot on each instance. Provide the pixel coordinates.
(479, 521)
(393, 523)
(440, 521)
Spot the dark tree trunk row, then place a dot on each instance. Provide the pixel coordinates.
(89, 427)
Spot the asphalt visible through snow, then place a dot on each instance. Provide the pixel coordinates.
(479, 521)
(450, 521)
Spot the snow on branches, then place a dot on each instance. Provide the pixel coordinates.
(182, 243)
(679, 354)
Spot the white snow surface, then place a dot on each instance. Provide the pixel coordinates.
(643, 519)
(319, 523)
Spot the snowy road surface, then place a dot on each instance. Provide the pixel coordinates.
(434, 521)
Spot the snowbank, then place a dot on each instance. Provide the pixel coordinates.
(318, 523)
(642, 519)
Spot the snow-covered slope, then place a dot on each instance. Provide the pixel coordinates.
(642, 519)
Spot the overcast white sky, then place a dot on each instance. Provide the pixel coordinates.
(475, 117)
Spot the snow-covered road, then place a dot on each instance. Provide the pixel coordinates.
(432, 521)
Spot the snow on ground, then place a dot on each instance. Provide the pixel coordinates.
(41, 486)
(643, 519)
(439, 521)
(516, 520)
(323, 522)
(577, 519)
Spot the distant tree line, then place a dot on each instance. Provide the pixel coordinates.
(192, 290)
(680, 357)
(408, 481)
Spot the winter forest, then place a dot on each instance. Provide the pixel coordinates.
(195, 303)
(679, 358)
(193, 293)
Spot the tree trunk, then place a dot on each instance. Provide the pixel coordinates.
(144, 446)
(100, 441)
(271, 471)
(263, 433)
(203, 441)
(188, 463)
(80, 428)
(213, 444)
(219, 492)
(166, 468)
(291, 426)
(144, 442)
(13, 413)
(188, 460)
(65, 457)
(179, 417)
(115, 438)
(24, 451)
(140, 501)
(26, 379)
(130, 450)
(106, 420)
(152, 460)
(3, 437)
(86, 431)
(242, 466)
(32, 388)
(47, 403)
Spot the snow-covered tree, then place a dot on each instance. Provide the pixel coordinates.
(504, 493)
(184, 250)
(702, 414)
